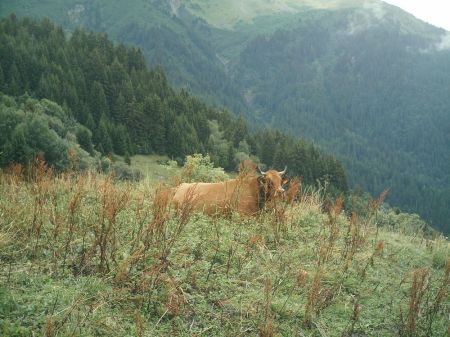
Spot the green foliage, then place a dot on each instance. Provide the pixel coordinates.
(199, 168)
(355, 84)
(127, 158)
(218, 146)
(405, 222)
(31, 128)
(441, 252)
(84, 138)
(130, 108)
(123, 171)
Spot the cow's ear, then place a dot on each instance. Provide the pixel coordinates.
(285, 180)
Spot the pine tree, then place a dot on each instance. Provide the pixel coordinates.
(84, 138)
(2, 79)
(102, 136)
(14, 88)
(154, 115)
(97, 101)
(119, 139)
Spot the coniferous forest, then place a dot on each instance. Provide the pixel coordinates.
(111, 102)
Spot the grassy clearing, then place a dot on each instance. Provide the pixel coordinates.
(153, 167)
(226, 14)
(86, 256)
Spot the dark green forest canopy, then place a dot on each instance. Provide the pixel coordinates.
(130, 108)
(377, 97)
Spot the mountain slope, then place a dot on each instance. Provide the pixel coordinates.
(363, 79)
(373, 92)
(128, 108)
(175, 41)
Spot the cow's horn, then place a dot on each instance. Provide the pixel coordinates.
(284, 171)
(261, 171)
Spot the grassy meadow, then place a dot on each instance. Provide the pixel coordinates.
(85, 255)
(226, 14)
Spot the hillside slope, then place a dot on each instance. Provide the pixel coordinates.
(128, 107)
(86, 256)
(175, 41)
(363, 79)
(369, 90)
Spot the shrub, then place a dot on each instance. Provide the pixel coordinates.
(124, 172)
(199, 168)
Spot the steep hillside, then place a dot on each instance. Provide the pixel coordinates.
(229, 14)
(84, 256)
(165, 36)
(372, 90)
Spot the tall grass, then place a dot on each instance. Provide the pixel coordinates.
(118, 254)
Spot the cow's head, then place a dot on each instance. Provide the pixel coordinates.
(271, 183)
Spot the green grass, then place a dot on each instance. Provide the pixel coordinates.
(163, 275)
(103, 15)
(226, 14)
(153, 167)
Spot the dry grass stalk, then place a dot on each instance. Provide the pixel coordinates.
(353, 240)
(141, 215)
(378, 251)
(74, 204)
(293, 191)
(266, 328)
(417, 291)
(166, 233)
(326, 246)
(354, 319)
(49, 328)
(441, 295)
(176, 298)
(276, 215)
(313, 297)
(139, 323)
(161, 214)
(113, 200)
(13, 174)
(310, 201)
(40, 177)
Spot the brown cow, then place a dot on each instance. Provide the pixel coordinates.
(247, 194)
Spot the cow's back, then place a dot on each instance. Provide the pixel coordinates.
(213, 198)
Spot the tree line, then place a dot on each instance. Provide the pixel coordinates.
(125, 107)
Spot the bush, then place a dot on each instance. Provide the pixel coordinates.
(404, 222)
(440, 252)
(104, 165)
(199, 168)
(124, 172)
